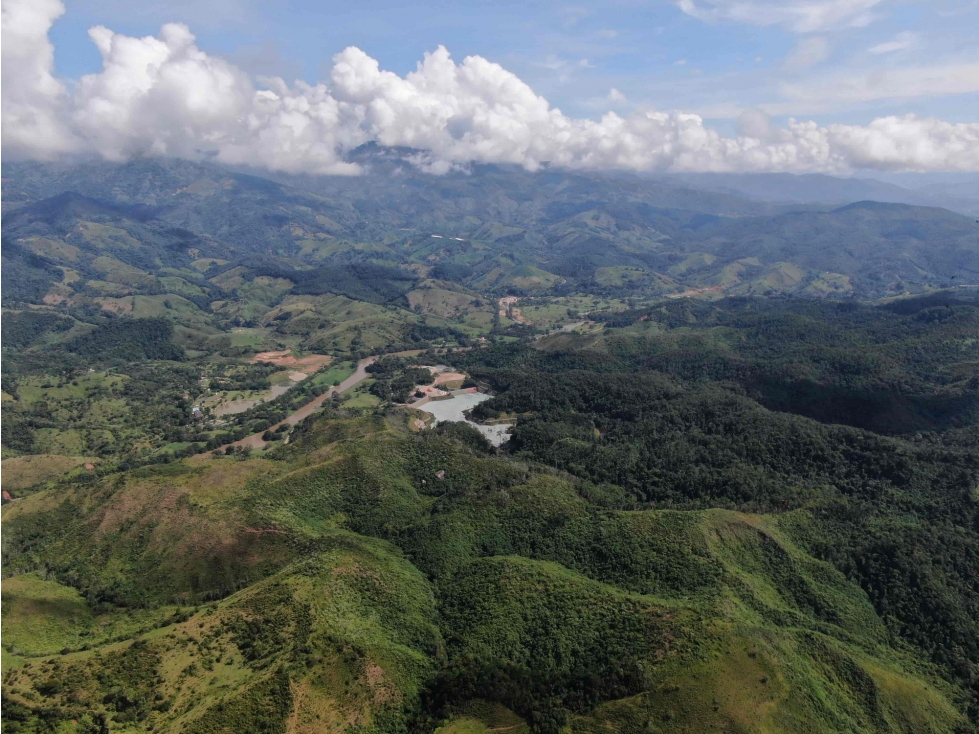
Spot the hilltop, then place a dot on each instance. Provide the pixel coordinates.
(739, 493)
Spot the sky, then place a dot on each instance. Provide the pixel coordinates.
(659, 85)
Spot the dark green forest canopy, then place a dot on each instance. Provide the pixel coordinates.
(674, 414)
(129, 340)
(26, 276)
(896, 369)
(723, 512)
(21, 329)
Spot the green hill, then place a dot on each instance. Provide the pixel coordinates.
(375, 594)
(737, 496)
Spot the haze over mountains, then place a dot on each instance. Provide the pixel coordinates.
(500, 227)
(960, 193)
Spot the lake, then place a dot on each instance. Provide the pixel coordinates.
(453, 409)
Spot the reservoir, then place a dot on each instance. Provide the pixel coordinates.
(452, 410)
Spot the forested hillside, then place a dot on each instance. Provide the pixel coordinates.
(671, 540)
(739, 490)
(119, 227)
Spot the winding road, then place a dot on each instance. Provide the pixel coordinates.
(255, 441)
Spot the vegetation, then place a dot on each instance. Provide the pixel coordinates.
(723, 507)
(395, 379)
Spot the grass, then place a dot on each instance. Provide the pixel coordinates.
(365, 559)
(105, 288)
(263, 290)
(61, 441)
(116, 271)
(91, 411)
(57, 249)
(361, 398)
(35, 389)
(619, 275)
(42, 617)
(180, 286)
(249, 337)
(453, 305)
(549, 313)
(204, 263)
(341, 637)
(173, 307)
(24, 472)
(337, 372)
(103, 235)
(483, 717)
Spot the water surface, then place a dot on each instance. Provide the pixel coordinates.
(453, 409)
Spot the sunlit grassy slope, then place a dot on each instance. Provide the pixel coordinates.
(352, 585)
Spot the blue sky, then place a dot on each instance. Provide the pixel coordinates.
(716, 59)
(658, 85)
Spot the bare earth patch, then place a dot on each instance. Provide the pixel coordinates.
(310, 363)
(449, 377)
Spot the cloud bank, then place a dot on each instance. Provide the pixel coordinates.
(163, 96)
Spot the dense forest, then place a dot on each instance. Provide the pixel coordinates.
(716, 410)
(741, 492)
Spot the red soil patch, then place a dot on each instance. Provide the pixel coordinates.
(314, 362)
(310, 364)
(274, 357)
(449, 377)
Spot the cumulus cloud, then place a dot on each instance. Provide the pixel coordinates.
(799, 16)
(32, 96)
(893, 142)
(164, 96)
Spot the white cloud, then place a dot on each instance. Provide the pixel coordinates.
(807, 53)
(164, 96)
(32, 98)
(908, 142)
(799, 16)
(904, 41)
(607, 33)
(615, 96)
(828, 93)
(680, 62)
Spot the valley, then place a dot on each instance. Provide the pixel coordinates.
(493, 451)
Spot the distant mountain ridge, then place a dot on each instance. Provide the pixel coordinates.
(811, 188)
(509, 230)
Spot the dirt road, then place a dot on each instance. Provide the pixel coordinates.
(360, 374)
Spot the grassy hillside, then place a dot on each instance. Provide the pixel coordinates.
(375, 594)
(723, 506)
